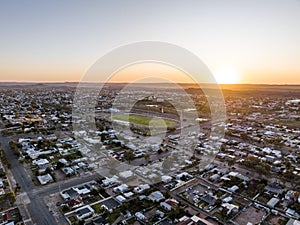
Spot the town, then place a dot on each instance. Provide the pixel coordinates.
(52, 173)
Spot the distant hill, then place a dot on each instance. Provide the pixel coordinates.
(227, 89)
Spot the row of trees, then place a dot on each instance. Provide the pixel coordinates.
(257, 165)
(4, 158)
(13, 146)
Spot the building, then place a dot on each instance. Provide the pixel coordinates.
(140, 216)
(273, 188)
(273, 202)
(209, 199)
(156, 196)
(293, 222)
(166, 206)
(121, 188)
(110, 204)
(44, 179)
(70, 193)
(84, 212)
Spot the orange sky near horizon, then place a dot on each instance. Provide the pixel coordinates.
(223, 74)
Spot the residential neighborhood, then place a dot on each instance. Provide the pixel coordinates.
(108, 177)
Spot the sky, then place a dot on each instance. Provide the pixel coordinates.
(241, 41)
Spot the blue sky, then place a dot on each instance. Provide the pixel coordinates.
(59, 40)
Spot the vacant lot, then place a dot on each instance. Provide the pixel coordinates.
(251, 215)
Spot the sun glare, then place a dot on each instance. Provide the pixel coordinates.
(226, 75)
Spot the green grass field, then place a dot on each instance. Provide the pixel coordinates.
(144, 121)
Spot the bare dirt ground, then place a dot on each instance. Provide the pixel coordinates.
(251, 215)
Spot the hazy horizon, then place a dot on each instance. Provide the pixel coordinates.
(76, 82)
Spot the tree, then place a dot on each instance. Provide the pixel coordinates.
(146, 157)
(260, 188)
(251, 161)
(230, 162)
(290, 177)
(223, 147)
(129, 156)
(223, 214)
(218, 202)
(244, 136)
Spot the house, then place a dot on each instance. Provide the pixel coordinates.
(293, 222)
(110, 204)
(238, 175)
(166, 206)
(140, 216)
(209, 199)
(166, 179)
(142, 197)
(99, 220)
(126, 214)
(141, 188)
(227, 199)
(172, 201)
(75, 202)
(234, 188)
(194, 220)
(291, 195)
(84, 212)
(6, 217)
(121, 188)
(108, 181)
(273, 202)
(183, 174)
(270, 158)
(292, 213)
(156, 196)
(233, 174)
(83, 191)
(120, 199)
(214, 178)
(230, 207)
(63, 161)
(44, 179)
(68, 171)
(159, 213)
(243, 177)
(70, 193)
(42, 164)
(128, 194)
(273, 188)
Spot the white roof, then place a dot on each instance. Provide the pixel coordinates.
(140, 216)
(40, 161)
(166, 178)
(45, 178)
(120, 198)
(126, 174)
(121, 188)
(233, 174)
(128, 194)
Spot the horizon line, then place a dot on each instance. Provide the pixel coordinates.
(65, 82)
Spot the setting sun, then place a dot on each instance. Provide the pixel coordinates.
(226, 75)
